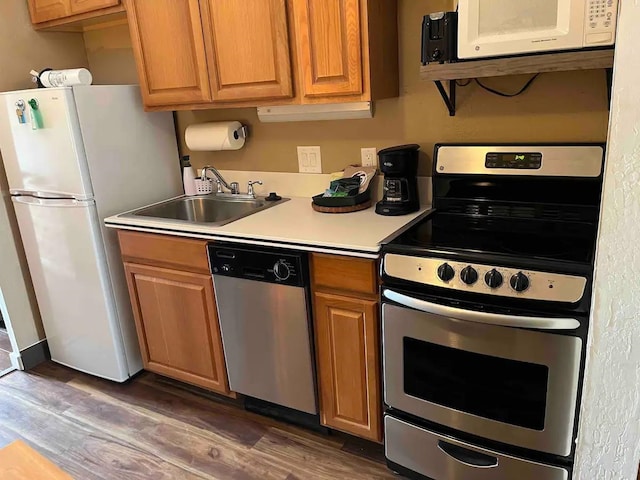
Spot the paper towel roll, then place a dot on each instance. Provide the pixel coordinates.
(214, 136)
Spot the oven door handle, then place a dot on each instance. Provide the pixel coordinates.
(541, 323)
(467, 457)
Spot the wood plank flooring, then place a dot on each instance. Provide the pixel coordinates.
(149, 428)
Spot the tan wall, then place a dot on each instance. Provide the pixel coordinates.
(110, 56)
(23, 49)
(561, 107)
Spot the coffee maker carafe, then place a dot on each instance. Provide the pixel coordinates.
(400, 168)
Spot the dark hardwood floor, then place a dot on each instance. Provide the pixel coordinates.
(149, 428)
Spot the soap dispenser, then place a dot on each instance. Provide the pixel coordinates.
(188, 176)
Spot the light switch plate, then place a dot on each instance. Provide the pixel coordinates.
(368, 157)
(309, 160)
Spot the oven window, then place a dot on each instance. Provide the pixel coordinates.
(505, 390)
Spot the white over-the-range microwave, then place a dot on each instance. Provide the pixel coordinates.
(488, 28)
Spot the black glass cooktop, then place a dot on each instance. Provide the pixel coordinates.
(517, 239)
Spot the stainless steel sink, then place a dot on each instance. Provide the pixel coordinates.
(208, 210)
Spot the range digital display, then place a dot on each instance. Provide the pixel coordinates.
(515, 160)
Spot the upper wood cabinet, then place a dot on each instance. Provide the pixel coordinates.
(203, 51)
(56, 13)
(82, 6)
(247, 49)
(347, 50)
(169, 47)
(329, 43)
(194, 54)
(44, 10)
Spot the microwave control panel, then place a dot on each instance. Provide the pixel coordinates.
(600, 26)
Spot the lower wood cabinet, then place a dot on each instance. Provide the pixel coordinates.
(174, 308)
(177, 325)
(347, 349)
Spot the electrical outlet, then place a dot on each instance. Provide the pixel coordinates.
(309, 160)
(368, 156)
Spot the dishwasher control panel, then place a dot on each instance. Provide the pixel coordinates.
(262, 264)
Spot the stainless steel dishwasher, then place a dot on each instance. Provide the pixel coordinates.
(263, 305)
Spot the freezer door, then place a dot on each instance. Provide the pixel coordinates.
(49, 160)
(68, 268)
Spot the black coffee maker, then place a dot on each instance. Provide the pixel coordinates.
(400, 168)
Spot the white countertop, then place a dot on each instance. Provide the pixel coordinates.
(292, 223)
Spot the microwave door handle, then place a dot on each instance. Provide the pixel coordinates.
(482, 317)
(467, 457)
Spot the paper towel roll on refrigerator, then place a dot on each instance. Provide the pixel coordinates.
(214, 136)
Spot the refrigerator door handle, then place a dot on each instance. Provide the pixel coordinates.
(46, 195)
(52, 202)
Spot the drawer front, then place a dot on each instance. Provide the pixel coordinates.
(164, 251)
(442, 458)
(347, 274)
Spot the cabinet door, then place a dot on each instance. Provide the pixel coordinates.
(329, 44)
(347, 347)
(177, 325)
(45, 10)
(168, 44)
(247, 49)
(82, 6)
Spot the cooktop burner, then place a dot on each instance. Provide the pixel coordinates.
(527, 240)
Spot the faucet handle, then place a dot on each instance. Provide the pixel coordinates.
(203, 173)
(250, 186)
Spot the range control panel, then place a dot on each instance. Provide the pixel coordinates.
(486, 279)
(524, 160)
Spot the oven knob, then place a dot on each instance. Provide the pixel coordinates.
(493, 278)
(519, 282)
(446, 272)
(281, 270)
(469, 275)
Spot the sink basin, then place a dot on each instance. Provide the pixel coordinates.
(208, 210)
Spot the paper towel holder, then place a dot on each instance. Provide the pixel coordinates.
(242, 132)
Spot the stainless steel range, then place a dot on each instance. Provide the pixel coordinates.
(485, 309)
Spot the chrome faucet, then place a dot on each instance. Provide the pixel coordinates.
(250, 187)
(233, 187)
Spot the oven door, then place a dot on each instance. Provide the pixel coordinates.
(472, 372)
(507, 27)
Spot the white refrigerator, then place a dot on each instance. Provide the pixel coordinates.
(95, 153)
